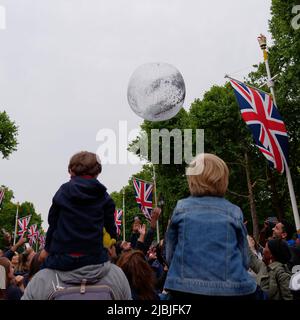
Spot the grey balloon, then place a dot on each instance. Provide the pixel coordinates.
(156, 91)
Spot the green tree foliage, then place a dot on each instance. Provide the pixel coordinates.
(8, 214)
(8, 135)
(284, 60)
(227, 135)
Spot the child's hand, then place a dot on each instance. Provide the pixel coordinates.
(43, 255)
(112, 252)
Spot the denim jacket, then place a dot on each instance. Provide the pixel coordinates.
(207, 249)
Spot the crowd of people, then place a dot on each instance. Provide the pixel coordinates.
(206, 253)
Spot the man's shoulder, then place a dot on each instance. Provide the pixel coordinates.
(45, 274)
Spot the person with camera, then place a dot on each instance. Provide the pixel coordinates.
(267, 231)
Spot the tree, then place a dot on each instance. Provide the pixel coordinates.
(170, 178)
(8, 213)
(8, 135)
(257, 189)
(284, 60)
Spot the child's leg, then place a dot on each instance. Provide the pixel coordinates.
(61, 262)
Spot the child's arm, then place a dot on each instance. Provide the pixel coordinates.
(109, 219)
(52, 221)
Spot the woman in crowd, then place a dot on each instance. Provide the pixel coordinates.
(11, 287)
(139, 274)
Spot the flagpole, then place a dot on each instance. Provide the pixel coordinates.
(263, 45)
(248, 85)
(16, 223)
(123, 214)
(155, 201)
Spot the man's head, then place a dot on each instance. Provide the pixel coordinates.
(85, 164)
(283, 230)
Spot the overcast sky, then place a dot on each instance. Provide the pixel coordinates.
(65, 67)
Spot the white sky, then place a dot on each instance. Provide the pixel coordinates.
(65, 67)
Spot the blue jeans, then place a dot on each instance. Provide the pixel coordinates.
(65, 262)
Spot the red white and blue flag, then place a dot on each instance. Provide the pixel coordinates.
(33, 234)
(262, 117)
(42, 240)
(143, 196)
(118, 220)
(1, 195)
(23, 225)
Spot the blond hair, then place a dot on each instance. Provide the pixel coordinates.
(207, 174)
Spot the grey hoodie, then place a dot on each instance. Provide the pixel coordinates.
(41, 285)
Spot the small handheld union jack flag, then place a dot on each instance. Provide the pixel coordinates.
(262, 117)
(33, 234)
(23, 225)
(143, 196)
(42, 240)
(118, 220)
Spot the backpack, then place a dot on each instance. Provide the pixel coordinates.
(83, 291)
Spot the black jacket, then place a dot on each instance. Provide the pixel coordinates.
(79, 211)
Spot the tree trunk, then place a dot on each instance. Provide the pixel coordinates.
(276, 203)
(251, 200)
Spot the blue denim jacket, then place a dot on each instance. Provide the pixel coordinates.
(206, 248)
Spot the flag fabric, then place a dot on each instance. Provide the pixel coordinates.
(42, 240)
(1, 195)
(33, 234)
(143, 196)
(118, 220)
(262, 117)
(23, 225)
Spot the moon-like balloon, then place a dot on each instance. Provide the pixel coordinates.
(156, 91)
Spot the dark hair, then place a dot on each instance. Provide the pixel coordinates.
(35, 266)
(85, 163)
(279, 250)
(139, 274)
(287, 228)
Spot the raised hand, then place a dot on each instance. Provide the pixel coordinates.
(154, 217)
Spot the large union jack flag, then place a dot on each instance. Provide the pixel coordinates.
(261, 115)
(33, 234)
(143, 196)
(23, 225)
(118, 220)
